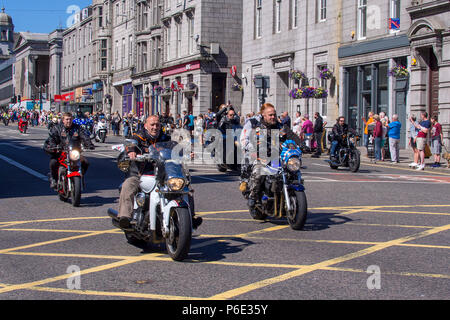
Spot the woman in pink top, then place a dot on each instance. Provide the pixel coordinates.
(307, 130)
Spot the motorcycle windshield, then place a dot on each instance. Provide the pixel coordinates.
(164, 152)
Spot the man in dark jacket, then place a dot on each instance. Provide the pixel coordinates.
(149, 135)
(318, 131)
(339, 130)
(262, 127)
(59, 137)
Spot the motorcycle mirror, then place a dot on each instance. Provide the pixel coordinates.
(131, 143)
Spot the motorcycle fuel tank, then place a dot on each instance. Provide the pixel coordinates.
(147, 183)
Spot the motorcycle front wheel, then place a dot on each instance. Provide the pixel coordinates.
(178, 242)
(354, 162)
(297, 218)
(76, 191)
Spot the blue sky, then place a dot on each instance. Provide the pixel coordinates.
(41, 16)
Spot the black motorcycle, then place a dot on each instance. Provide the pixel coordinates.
(348, 154)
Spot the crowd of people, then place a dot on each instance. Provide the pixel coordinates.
(382, 130)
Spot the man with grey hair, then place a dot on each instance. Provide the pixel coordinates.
(394, 139)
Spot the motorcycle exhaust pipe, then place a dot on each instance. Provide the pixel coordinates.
(113, 214)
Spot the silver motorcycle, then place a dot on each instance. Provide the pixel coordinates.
(164, 204)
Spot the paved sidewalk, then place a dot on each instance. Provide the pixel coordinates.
(406, 157)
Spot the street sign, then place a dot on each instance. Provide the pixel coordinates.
(394, 23)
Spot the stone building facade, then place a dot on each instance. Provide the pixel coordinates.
(77, 64)
(282, 36)
(361, 43)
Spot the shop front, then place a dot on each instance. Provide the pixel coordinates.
(127, 94)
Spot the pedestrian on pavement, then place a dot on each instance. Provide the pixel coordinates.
(307, 130)
(394, 139)
(384, 137)
(424, 127)
(436, 141)
(413, 131)
(297, 123)
(318, 131)
(199, 125)
(366, 128)
(378, 136)
(285, 119)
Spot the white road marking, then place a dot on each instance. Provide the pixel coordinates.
(24, 168)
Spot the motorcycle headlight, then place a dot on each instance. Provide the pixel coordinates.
(123, 166)
(176, 184)
(74, 155)
(140, 199)
(294, 164)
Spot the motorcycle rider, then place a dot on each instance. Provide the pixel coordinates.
(336, 137)
(150, 134)
(266, 120)
(59, 137)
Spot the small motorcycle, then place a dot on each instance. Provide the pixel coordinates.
(23, 125)
(70, 177)
(164, 204)
(6, 120)
(101, 131)
(348, 154)
(283, 190)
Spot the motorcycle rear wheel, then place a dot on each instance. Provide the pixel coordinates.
(178, 243)
(297, 222)
(76, 191)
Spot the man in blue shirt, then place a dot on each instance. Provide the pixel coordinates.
(394, 138)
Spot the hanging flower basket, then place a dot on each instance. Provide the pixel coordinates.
(237, 87)
(303, 93)
(399, 72)
(326, 74)
(297, 75)
(320, 93)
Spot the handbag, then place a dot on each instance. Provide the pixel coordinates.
(427, 151)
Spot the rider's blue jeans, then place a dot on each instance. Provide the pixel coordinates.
(334, 145)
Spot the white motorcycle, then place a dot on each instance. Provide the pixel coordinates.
(164, 204)
(101, 131)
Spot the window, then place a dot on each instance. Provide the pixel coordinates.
(144, 15)
(179, 35)
(277, 16)
(89, 66)
(100, 17)
(294, 14)
(116, 56)
(362, 19)
(167, 43)
(123, 53)
(191, 35)
(130, 50)
(117, 12)
(156, 12)
(322, 10)
(144, 56)
(323, 83)
(104, 55)
(258, 19)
